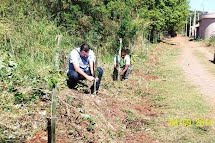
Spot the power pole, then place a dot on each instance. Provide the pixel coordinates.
(194, 25)
(198, 17)
(190, 27)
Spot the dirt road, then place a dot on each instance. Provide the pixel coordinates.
(193, 66)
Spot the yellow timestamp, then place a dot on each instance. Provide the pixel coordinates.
(186, 122)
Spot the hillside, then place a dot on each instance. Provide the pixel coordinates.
(159, 103)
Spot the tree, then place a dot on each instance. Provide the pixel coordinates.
(176, 12)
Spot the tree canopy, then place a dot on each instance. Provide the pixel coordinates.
(103, 20)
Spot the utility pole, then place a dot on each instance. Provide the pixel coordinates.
(194, 25)
(190, 27)
(198, 17)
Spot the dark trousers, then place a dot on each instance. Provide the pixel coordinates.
(75, 77)
(124, 76)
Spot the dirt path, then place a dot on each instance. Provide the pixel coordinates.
(193, 68)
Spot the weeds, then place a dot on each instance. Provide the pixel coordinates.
(211, 41)
(91, 125)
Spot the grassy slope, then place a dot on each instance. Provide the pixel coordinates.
(123, 111)
(178, 99)
(205, 61)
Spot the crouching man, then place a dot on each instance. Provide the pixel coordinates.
(123, 64)
(81, 67)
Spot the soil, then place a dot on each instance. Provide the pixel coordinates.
(193, 69)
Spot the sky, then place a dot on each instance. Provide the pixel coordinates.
(203, 5)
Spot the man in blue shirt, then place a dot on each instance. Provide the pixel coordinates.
(81, 66)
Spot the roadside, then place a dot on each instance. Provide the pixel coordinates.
(186, 115)
(196, 63)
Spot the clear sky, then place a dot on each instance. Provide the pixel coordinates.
(206, 5)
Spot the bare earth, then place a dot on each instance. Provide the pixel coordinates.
(194, 70)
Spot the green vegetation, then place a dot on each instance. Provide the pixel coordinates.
(28, 30)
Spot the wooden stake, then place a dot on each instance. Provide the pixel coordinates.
(186, 28)
(95, 71)
(58, 38)
(119, 57)
(190, 27)
(54, 95)
(49, 129)
(53, 117)
(143, 42)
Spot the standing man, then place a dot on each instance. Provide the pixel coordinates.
(124, 65)
(81, 66)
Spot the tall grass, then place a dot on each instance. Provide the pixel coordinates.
(31, 44)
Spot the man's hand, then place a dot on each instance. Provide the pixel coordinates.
(90, 78)
(121, 73)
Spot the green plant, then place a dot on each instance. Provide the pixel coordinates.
(91, 125)
(212, 41)
(20, 98)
